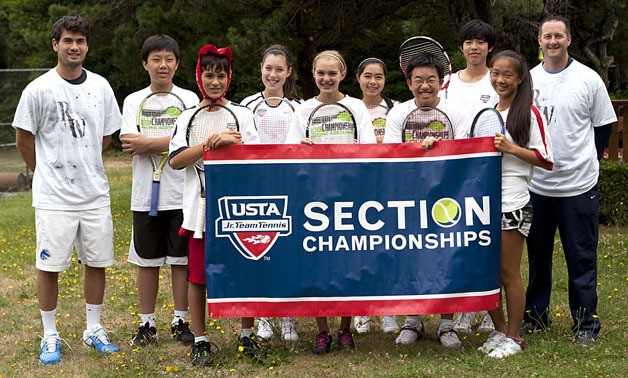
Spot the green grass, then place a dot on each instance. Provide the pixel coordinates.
(550, 354)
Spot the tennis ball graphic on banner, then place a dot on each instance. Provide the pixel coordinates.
(446, 212)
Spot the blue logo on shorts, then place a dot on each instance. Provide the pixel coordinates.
(44, 254)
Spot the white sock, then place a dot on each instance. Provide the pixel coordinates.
(246, 332)
(183, 315)
(48, 319)
(149, 318)
(445, 323)
(200, 338)
(412, 321)
(92, 313)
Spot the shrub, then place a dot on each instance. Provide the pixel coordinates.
(613, 185)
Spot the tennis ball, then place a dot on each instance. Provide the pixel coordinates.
(446, 212)
(436, 125)
(379, 123)
(173, 111)
(345, 117)
(265, 239)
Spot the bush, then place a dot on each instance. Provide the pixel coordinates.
(612, 184)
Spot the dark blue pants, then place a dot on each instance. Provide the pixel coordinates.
(577, 221)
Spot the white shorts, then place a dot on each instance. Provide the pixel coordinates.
(90, 232)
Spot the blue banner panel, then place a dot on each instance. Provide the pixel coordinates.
(331, 230)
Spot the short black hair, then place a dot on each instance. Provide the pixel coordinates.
(477, 29)
(213, 62)
(160, 42)
(424, 59)
(75, 24)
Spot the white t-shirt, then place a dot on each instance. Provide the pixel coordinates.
(171, 182)
(516, 173)
(398, 114)
(191, 186)
(362, 119)
(279, 131)
(69, 122)
(470, 98)
(254, 99)
(573, 101)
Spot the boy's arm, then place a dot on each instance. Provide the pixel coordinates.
(25, 142)
(138, 144)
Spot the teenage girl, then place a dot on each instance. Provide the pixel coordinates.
(371, 76)
(526, 144)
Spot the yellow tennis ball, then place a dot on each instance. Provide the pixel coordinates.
(446, 212)
(436, 125)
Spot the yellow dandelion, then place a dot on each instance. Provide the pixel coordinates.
(240, 348)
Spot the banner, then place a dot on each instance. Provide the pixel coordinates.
(332, 230)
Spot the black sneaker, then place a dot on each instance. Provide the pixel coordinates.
(584, 338)
(145, 335)
(202, 353)
(250, 347)
(322, 344)
(181, 332)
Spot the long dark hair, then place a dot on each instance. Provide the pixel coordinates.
(290, 85)
(518, 122)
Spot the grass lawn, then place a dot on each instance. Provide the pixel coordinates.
(549, 354)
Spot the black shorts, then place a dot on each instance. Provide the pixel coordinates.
(158, 237)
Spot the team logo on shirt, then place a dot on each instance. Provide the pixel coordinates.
(485, 98)
(253, 223)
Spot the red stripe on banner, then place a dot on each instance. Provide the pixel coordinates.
(322, 307)
(350, 151)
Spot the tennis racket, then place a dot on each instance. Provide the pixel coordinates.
(378, 115)
(426, 121)
(156, 117)
(414, 45)
(273, 116)
(332, 123)
(207, 120)
(486, 123)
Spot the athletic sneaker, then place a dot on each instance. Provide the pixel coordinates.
(362, 324)
(251, 348)
(265, 328)
(288, 330)
(463, 322)
(50, 352)
(493, 340)
(506, 348)
(409, 335)
(145, 335)
(345, 339)
(202, 352)
(181, 332)
(487, 324)
(584, 338)
(322, 344)
(99, 340)
(389, 324)
(449, 338)
(528, 328)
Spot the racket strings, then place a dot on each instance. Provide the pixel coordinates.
(273, 122)
(158, 115)
(206, 123)
(487, 123)
(378, 115)
(422, 124)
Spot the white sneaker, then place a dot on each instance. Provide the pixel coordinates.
(449, 338)
(98, 339)
(288, 330)
(487, 324)
(362, 324)
(389, 324)
(265, 328)
(464, 322)
(506, 348)
(410, 334)
(492, 342)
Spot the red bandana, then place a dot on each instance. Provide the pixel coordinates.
(206, 50)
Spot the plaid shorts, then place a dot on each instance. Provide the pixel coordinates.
(519, 220)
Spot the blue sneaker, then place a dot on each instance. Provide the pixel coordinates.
(99, 340)
(50, 349)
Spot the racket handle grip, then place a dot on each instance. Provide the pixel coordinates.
(154, 199)
(200, 220)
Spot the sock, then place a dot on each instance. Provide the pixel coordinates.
(246, 332)
(92, 313)
(48, 319)
(412, 321)
(445, 323)
(149, 318)
(183, 315)
(198, 339)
